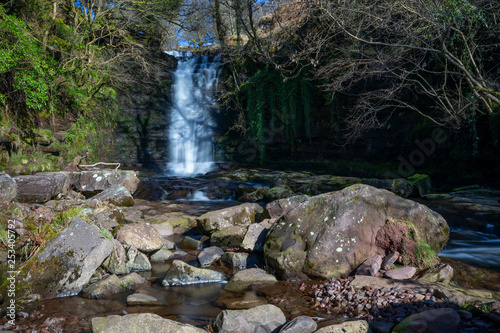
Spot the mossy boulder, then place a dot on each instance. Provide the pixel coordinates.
(181, 273)
(257, 195)
(331, 234)
(279, 192)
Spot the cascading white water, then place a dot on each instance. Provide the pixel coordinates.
(190, 134)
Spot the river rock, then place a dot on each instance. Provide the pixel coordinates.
(209, 256)
(279, 192)
(140, 263)
(264, 318)
(404, 273)
(242, 215)
(189, 243)
(432, 321)
(249, 301)
(235, 259)
(242, 279)
(161, 255)
(92, 182)
(165, 228)
(140, 322)
(422, 185)
(277, 208)
(181, 222)
(370, 266)
(109, 218)
(41, 187)
(254, 238)
(442, 273)
(104, 288)
(228, 237)
(357, 223)
(257, 195)
(116, 262)
(357, 326)
(132, 280)
(116, 195)
(8, 190)
(181, 273)
(67, 263)
(142, 236)
(301, 324)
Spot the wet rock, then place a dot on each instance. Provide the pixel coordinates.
(265, 318)
(240, 303)
(132, 280)
(282, 180)
(441, 273)
(140, 298)
(242, 215)
(116, 262)
(235, 259)
(358, 326)
(67, 263)
(279, 192)
(422, 184)
(140, 322)
(433, 321)
(41, 187)
(242, 279)
(382, 326)
(181, 273)
(161, 255)
(279, 207)
(92, 182)
(300, 243)
(301, 324)
(8, 190)
(254, 238)
(370, 266)
(142, 236)
(189, 243)
(116, 195)
(209, 255)
(228, 237)
(257, 195)
(401, 273)
(140, 263)
(103, 288)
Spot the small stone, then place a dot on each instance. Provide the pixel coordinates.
(401, 273)
(370, 266)
(390, 260)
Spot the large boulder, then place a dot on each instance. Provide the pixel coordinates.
(279, 207)
(140, 322)
(142, 236)
(93, 182)
(242, 215)
(333, 233)
(66, 264)
(432, 321)
(42, 187)
(8, 190)
(181, 273)
(264, 318)
(116, 195)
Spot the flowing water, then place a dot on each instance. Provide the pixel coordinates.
(190, 134)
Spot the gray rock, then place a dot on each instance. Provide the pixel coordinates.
(92, 182)
(257, 194)
(116, 195)
(41, 187)
(279, 207)
(357, 223)
(165, 228)
(442, 273)
(401, 273)
(181, 273)
(142, 236)
(279, 192)
(370, 266)
(228, 237)
(140, 263)
(104, 288)
(8, 190)
(242, 279)
(66, 264)
(209, 255)
(433, 321)
(116, 263)
(132, 280)
(242, 215)
(161, 255)
(264, 318)
(140, 322)
(382, 326)
(110, 218)
(235, 259)
(357, 326)
(254, 238)
(301, 324)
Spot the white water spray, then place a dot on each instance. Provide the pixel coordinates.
(190, 134)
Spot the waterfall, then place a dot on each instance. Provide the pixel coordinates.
(190, 135)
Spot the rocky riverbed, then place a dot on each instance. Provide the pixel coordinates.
(290, 259)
